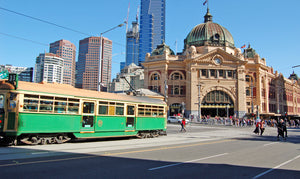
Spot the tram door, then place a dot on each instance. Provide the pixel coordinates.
(130, 118)
(88, 117)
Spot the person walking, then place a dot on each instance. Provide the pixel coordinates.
(262, 127)
(280, 129)
(284, 127)
(257, 126)
(183, 123)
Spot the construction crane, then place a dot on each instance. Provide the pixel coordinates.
(296, 66)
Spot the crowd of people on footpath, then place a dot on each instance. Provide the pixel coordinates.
(241, 122)
(260, 124)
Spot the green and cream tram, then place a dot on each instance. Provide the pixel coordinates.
(43, 113)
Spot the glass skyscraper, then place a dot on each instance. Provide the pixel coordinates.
(132, 44)
(152, 26)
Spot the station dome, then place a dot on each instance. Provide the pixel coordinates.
(161, 49)
(209, 33)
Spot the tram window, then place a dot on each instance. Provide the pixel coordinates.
(161, 112)
(120, 109)
(154, 112)
(31, 96)
(60, 107)
(130, 110)
(111, 110)
(148, 111)
(130, 122)
(30, 105)
(46, 106)
(141, 110)
(1, 101)
(73, 108)
(46, 97)
(88, 121)
(88, 107)
(74, 100)
(60, 99)
(103, 108)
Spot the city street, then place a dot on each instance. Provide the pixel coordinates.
(201, 152)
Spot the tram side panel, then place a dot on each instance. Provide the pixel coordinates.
(150, 123)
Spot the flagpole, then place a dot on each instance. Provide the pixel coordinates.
(207, 4)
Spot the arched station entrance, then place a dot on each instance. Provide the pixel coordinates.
(217, 103)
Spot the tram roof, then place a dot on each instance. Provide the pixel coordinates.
(68, 90)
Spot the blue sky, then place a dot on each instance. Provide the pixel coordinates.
(270, 26)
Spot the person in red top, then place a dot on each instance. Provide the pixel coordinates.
(262, 127)
(183, 125)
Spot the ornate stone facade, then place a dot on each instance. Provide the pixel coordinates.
(213, 77)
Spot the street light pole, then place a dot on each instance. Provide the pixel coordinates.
(100, 54)
(199, 101)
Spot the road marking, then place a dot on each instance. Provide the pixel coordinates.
(37, 153)
(115, 154)
(166, 148)
(271, 143)
(278, 166)
(190, 161)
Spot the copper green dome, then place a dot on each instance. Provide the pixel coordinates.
(209, 33)
(161, 48)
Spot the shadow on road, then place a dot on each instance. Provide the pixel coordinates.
(101, 166)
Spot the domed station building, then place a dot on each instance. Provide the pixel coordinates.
(213, 77)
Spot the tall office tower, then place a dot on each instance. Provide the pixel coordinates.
(66, 50)
(132, 44)
(91, 74)
(152, 26)
(49, 67)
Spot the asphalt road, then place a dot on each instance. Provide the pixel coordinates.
(201, 152)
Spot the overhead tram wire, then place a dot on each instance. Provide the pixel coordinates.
(40, 43)
(44, 21)
(51, 23)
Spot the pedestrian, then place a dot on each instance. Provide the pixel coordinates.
(257, 126)
(183, 122)
(284, 128)
(262, 127)
(280, 129)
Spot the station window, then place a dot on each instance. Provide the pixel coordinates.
(203, 72)
(229, 73)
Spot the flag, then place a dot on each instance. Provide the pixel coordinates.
(205, 2)
(243, 46)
